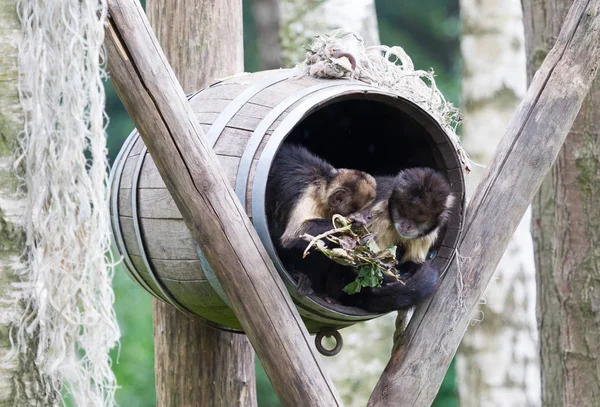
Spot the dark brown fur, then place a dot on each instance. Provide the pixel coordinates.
(303, 193)
(409, 211)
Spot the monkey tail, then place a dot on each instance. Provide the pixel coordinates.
(398, 295)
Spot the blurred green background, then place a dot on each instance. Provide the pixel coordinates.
(429, 32)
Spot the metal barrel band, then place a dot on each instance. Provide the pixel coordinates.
(259, 217)
(166, 295)
(329, 332)
(240, 101)
(119, 242)
(259, 133)
(210, 275)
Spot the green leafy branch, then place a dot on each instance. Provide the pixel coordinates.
(358, 250)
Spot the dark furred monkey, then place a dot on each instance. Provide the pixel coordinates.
(409, 211)
(303, 193)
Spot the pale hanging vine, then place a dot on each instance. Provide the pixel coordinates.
(66, 270)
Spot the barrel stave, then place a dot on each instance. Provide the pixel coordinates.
(168, 243)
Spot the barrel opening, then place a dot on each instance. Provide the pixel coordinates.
(381, 135)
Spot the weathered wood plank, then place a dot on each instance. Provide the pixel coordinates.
(150, 177)
(275, 94)
(128, 233)
(176, 270)
(152, 203)
(237, 122)
(154, 99)
(524, 156)
(197, 365)
(128, 169)
(232, 142)
(171, 238)
(226, 90)
(201, 104)
(137, 147)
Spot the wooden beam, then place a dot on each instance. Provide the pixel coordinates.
(193, 175)
(195, 364)
(524, 156)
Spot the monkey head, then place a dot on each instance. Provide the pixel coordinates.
(350, 191)
(420, 202)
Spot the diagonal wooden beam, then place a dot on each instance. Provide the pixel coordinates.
(193, 175)
(524, 156)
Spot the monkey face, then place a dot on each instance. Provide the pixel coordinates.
(409, 224)
(351, 191)
(420, 202)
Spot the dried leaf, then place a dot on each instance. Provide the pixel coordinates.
(357, 249)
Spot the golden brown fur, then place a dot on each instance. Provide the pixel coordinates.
(415, 250)
(315, 201)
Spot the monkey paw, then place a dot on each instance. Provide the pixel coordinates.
(358, 219)
(304, 286)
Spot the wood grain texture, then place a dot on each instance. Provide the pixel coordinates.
(195, 365)
(164, 241)
(566, 225)
(524, 156)
(193, 175)
(197, 375)
(203, 40)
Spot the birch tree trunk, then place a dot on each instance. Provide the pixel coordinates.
(356, 368)
(20, 381)
(197, 365)
(566, 231)
(266, 20)
(301, 20)
(497, 363)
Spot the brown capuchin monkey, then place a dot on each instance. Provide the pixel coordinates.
(409, 211)
(303, 193)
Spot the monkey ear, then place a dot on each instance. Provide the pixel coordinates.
(337, 197)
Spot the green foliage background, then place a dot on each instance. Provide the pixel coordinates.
(429, 32)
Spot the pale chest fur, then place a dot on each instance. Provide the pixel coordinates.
(416, 250)
(308, 207)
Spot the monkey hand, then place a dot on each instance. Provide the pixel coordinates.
(358, 219)
(304, 286)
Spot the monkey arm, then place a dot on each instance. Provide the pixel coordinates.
(396, 295)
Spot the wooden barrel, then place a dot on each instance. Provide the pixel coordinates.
(245, 119)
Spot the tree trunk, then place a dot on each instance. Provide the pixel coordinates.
(197, 365)
(566, 225)
(497, 363)
(301, 20)
(20, 380)
(266, 20)
(524, 157)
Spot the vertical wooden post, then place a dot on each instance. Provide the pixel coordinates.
(197, 365)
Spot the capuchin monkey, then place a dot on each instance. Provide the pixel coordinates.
(303, 193)
(409, 211)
